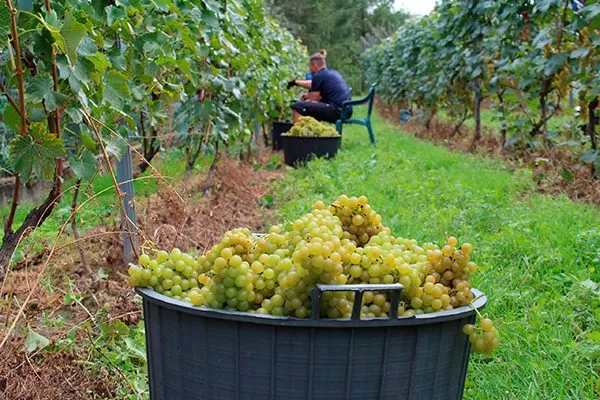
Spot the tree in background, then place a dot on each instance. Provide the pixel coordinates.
(345, 29)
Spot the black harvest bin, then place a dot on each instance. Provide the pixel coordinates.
(278, 129)
(200, 353)
(299, 149)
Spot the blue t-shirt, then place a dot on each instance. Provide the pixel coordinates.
(333, 88)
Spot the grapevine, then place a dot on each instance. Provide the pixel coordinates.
(529, 58)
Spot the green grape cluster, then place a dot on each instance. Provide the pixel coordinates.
(359, 221)
(344, 243)
(447, 282)
(173, 274)
(310, 127)
(484, 338)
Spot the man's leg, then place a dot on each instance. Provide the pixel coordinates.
(296, 116)
(317, 110)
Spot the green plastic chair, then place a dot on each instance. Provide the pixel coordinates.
(344, 119)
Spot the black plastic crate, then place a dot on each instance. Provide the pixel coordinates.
(297, 149)
(276, 131)
(200, 353)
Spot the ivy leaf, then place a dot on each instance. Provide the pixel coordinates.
(72, 33)
(35, 341)
(34, 154)
(116, 89)
(39, 88)
(84, 166)
(4, 24)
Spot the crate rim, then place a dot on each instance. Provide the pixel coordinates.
(285, 137)
(150, 295)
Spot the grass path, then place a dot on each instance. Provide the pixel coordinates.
(539, 257)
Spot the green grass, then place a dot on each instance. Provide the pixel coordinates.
(539, 256)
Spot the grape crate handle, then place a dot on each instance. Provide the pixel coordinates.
(395, 288)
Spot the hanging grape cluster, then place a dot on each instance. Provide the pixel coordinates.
(344, 243)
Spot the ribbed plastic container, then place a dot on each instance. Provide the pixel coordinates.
(298, 150)
(199, 353)
(278, 129)
(405, 115)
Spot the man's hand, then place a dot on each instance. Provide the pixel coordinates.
(291, 84)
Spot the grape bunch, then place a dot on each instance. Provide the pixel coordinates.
(359, 221)
(484, 338)
(343, 243)
(310, 127)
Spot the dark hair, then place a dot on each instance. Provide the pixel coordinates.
(319, 57)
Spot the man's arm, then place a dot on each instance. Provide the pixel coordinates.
(306, 84)
(311, 96)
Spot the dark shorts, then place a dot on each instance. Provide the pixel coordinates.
(317, 110)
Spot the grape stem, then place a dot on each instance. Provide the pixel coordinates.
(475, 308)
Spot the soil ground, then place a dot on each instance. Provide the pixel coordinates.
(231, 200)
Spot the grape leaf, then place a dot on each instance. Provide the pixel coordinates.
(567, 175)
(72, 33)
(100, 61)
(590, 156)
(55, 100)
(84, 166)
(39, 87)
(25, 5)
(36, 114)
(87, 47)
(12, 118)
(116, 89)
(114, 14)
(554, 63)
(4, 25)
(580, 53)
(163, 5)
(34, 154)
(88, 142)
(115, 147)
